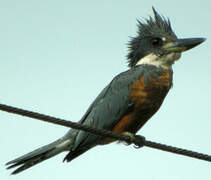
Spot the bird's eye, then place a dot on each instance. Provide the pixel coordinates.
(157, 41)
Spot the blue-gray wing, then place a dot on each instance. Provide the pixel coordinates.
(109, 107)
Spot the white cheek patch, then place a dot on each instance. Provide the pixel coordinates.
(149, 59)
(165, 61)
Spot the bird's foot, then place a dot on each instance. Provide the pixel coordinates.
(129, 142)
(131, 135)
(139, 141)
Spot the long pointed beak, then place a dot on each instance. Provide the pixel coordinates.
(181, 45)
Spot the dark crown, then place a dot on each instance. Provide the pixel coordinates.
(154, 27)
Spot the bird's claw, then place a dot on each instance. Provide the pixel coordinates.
(130, 140)
(139, 141)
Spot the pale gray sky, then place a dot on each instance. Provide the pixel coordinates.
(56, 56)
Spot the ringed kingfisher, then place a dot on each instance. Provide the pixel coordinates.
(130, 99)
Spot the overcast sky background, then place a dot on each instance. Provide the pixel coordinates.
(56, 57)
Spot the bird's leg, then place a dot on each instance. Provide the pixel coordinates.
(138, 140)
(131, 135)
(132, 138)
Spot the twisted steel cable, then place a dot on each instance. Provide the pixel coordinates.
(138, 140)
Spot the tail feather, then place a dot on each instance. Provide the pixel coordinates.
(39, 155)
(73, 154)
(29, 162)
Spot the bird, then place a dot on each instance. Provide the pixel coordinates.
(130, 99)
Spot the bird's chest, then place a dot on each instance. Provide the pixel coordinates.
(149, 92)
(147, 95)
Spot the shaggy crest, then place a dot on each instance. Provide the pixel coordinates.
(153, 27)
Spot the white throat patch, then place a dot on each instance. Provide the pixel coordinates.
(164, 61)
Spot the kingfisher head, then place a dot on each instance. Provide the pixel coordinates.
(157, 44)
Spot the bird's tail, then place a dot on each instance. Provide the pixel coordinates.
(28, 160)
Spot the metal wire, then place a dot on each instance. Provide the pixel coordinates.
(139, 141)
